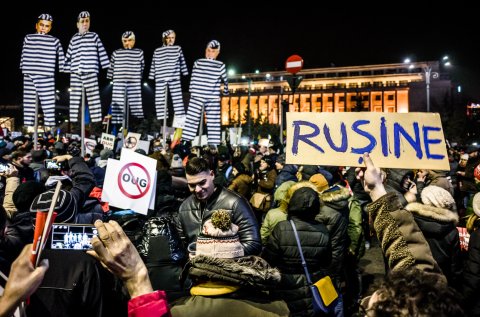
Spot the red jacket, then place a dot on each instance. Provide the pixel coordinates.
(149, 305)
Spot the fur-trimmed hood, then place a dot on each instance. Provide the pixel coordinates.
(250, 270)
(335, 193)
(432, 212)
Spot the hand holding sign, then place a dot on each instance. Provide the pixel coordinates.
(372, 178)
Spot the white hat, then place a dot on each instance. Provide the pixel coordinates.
(263, 142)
(438, 197)
(476, 204)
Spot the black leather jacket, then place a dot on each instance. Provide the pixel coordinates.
(193, 214)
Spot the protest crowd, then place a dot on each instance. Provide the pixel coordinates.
(192, 266)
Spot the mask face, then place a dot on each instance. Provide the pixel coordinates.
(128, 43)
(83, 25)
(170, 39)
(43, 26)
(212, 53)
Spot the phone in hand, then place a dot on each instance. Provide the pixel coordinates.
(52, 165)
(72, 236)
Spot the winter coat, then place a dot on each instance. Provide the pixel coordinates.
(274, 216)
(471, 275)
(334, 214)
(403, 244)
(281, 251)
(438, 226)
(193, 213)
(18, 232)
(149, 305)
(242, 184)
(266, 181)
(11, 185)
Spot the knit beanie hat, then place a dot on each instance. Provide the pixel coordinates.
(476, 204)
(26, 193)
(66, 206)
(105, 154)
(219, 237)
(320, 182)
(438, 197)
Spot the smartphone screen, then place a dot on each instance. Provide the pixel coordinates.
(72, 236)
(52, 165)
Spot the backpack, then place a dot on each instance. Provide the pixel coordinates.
(162, 251)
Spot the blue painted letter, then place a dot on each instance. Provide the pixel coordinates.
(427, 142)
(305, 137)
(343, 131)
(371, 138)
(399, 130)
(384, 137)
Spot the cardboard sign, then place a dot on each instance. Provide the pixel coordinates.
(131, 182)
(108, 141)
(396, 140)
(89, 145)
(131, 141)
(179, 121)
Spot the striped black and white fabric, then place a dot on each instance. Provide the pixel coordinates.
(167, 64)
(85, 55)
(207, 76)
(126, 69)
(39, 58)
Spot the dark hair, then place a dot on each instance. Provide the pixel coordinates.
(197, 165)
(412, 292)
(18, 154)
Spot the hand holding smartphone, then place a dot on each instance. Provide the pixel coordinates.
(72, 236)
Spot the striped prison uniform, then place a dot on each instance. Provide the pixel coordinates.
(83, 55)
(39, 57)
(207, 75)
(167, 63)
(126, 69)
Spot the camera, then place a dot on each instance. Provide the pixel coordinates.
(53, 165)
(72, 236)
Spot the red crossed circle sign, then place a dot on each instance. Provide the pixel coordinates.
(294, 64)
(132, 169)
(90, 145)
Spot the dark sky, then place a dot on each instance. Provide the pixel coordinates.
(261, 37)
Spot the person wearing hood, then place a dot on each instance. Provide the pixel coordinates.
(242, 182)
(275, 215)
(281, 251)
(437, 219)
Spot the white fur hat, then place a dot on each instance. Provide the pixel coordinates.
(438, 197)
(476, 204)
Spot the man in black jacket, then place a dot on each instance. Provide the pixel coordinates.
(206, 198)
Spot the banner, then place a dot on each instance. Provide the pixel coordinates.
(396, 140)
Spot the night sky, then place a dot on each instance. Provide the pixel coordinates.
(262, 37)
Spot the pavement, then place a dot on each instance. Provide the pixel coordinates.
(372, 267)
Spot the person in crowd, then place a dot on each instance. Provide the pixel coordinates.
(84, 53)
(471, 272)
(22, 282)
(408, 256)
(168, 63)
(432, 177)
(126, 71)
(197, 208)
(277, 214)
(242, 182)
(39, 58)
(401, 240)
(281, 251)
(437, 219)
(207, 75)
(222, 171)
(70, 202)
(226, 280)
(285, 172)
(401, 182)
(412, 292)
(21, 160)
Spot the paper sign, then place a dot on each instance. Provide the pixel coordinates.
(144, 145)
(203, 142)
(235, 135)
(395, 140)
(131, 140)
(179, 121)
(89, 145)
(108, 140)
(131, 182)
